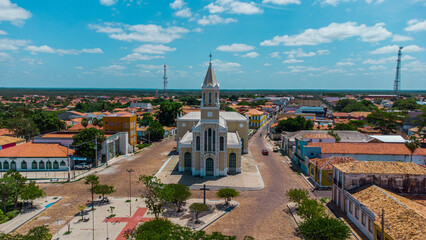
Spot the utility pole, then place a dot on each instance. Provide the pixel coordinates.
(69, 164)
(130, 188)
(96, 150)
(383, 224)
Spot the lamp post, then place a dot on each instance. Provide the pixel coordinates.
(107, 238)
(57, 228)
(130, 188)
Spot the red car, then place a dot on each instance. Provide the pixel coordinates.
(265, 152)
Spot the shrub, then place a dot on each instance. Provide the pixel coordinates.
(227, 194)
(324, 228)
(311, 208)
(297, 195)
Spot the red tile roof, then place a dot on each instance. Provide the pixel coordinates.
(36, 150)
(78, 127)
(366, 148)
(327, 163)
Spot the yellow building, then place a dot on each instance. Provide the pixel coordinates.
(256, 118)
(321, 170)
(122, 122)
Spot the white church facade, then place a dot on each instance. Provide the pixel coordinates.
(211, 142)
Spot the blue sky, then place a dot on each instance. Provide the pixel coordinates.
(262, 44)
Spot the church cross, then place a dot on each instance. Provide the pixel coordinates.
(210, 57)
(204, 189)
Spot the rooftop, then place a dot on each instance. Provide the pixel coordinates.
(317, 135)
(345, 136)
(36, 150)
(381, 167)
(232, 138)
(328, 163)
(404, 218)
(366, 148)
(4, 140)
(389, 138)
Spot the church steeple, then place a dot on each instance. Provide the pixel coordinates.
(210, 88)
(210, 79)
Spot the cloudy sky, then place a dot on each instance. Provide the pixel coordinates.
(258, 44)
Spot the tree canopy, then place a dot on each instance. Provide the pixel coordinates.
(146, 119)
(227, 194)
(84, 142)
(405, 104)
(386, 122)
(168, 113)
(324, 228)
(352, 105)
(155, 131)
(176, 194)
(294, 124)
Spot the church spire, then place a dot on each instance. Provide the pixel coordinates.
(210, 79)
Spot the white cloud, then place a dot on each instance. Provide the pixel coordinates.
(79, 67)
(3, 32)
(415, 66)
(12, 44)
(292, 60)
(415, 25)
(153, 49)
(297, 69)
(338, 70)
(336, 2)
(236, 47)
(394, 49)
(400, 38)
(234, 6)
(214, 19)
(108, 2)
(275, 55)
(184, 13)
(334, 31)
(323, 52)
(150, 66)
(47, 49)
(32, 60)
(4, 56)
(12, 13)
(177, 4)
(299, 53)
(379, 61)
(181, 9)
(377, 67)
(138, 57)
(141, 33)
(267, 64)
(344, 64)
(223, 66)
(282, 2)
(250, 55)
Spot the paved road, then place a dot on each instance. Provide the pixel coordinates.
(263, 214)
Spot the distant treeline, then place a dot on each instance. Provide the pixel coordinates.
(189, 92)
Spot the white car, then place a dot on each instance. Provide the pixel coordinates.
(82, 166)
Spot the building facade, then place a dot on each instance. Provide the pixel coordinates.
(256, 118)
(122, 123)
(210, 142)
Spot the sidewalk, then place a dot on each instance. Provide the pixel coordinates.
(40, 205)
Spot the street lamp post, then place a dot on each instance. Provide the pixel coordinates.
(57, 228)
(107, 238)
(130, 188)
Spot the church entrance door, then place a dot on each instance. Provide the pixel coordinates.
(209, 167)
(232, 162)
(187, 161)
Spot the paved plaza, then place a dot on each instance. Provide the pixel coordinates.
(249, 178)
(81, 227)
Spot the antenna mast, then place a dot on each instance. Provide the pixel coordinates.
(165, 81)
(397, 82)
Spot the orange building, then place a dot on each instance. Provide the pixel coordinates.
(122, 122)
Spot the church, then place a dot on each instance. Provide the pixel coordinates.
(210, 142)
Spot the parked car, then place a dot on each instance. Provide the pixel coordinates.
(265, 152)
(82, 166)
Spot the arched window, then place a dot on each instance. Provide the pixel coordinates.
(210, 98)
(222, 144)
(210, 139)
(23, 165)
(13, 165)
(49, 165)
(41, 165)
(55, 165)
(63, 163)
(1, 165)
(204, 98)
(34, 165)
(232, 162)
(197, 143)
(216, 99)
(6, 165)
(214, 141)
(205, 141)
(187, 161)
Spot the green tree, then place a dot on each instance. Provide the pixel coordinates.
(35, 233)
(146, 120)
(153, 194)
(198, 208)
(95, 122)
(6, 192)
(155, 131)
(22, 127)
(229, 109)
(81, 209)
(93, 181)
(168, 113)
(311, 208)
(345, 126)
(386, 122)
(17, 184)
(84, 122)
(233, 98)
(32, 192)
(297, 195)
(294, 124)
(324, 228)
(176, 194)
(227, 194)
(47, 121)
(412, 145)
(104, 189)
(85, 142)
(405, 104)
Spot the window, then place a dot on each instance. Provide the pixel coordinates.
(398, 182)
(23, 165)
(330, 177)
(350, 206)
(55, 165)
(222, 144)
(214, 141)
(197, 143)
(34, 165)
(363, 218)
(111, 124)
(204, 98)
(354, 182)
(41, 165)
(13, 165)
(232, 161)
(63, 163)
(49, 165)
(210, 98)
(209, 139)
(370, 225)
(205, 140)
(6, 165)
(215, 97)
(356, 212)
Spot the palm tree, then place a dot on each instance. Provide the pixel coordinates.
(84, 122)
(92, 180)
(412, 145)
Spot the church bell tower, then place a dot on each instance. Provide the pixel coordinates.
(210, 96)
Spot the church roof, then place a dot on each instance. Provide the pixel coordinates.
(210, 79)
